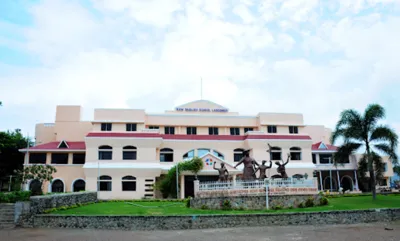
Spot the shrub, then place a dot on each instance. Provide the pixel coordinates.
(301, 205)
(204, 207)
(309, 202)
(17, 196)
(226, 205)
(187, 202)
(323, 201)
(290, 207)
(277, 207)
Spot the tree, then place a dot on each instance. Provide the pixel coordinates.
(10, 157)
(363, 131)
(39, 173)
(396, 170)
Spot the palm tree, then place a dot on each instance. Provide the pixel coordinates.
(363, 132)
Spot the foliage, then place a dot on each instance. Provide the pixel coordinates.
(277, 207)
(10, 157)
(12, 197)
(40, 173)
(363, 131)
(301, 205)
(396, 169)
(167, 185)
(309, 202)
(204, 207)
(187, 202)
(323, 201)
(226, 205)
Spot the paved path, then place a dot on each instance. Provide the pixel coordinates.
(362, 232)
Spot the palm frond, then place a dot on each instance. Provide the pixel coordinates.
(384, 133)
(363, 167)
(373, 113)
(349, 126)
(343, 153)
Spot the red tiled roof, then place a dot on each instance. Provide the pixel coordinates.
(200, 137)
(315, 147)
(73, 145)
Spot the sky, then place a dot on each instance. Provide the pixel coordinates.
(302, 56)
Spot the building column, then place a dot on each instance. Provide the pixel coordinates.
(196, 188)
(356, 180)
(234, 180)
(320, 180)
(338, 180)
(182, 187)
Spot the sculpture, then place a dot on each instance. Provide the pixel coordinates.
(249, 163)
(263, 168)
(281, 167)
(223, 172)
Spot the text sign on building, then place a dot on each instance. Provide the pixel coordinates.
(201, 109)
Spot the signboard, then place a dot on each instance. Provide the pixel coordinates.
(201, 109)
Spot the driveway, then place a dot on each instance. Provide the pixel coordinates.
(362, 232)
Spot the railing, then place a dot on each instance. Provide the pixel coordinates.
(256, 184)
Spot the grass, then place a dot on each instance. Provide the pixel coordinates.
(178, 208)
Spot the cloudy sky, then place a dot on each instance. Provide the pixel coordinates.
(304, 56)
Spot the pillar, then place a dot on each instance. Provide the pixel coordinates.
(356, 180)
(182, 187)
(338, 179)
(320, 180)
(234, 180)
(196, 187)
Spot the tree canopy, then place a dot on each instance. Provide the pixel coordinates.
(363, 132)
(10, 158)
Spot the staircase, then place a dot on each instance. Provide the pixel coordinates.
(7, 216)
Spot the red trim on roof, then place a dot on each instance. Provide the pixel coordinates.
(200, 137)
(73, 145)
(315, 147)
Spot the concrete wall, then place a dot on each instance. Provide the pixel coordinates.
(215, 221)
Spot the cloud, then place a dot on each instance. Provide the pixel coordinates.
(310, 57)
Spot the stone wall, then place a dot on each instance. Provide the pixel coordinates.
(25, 211)
(251, 202)
(215, 221)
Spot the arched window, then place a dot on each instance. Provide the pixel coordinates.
(238, 154)
(202, 151)
(105, 153)
(129, 183)
(104, 183)
(129, 153)
(218, 154)
(188, 155)
(166, 155)
(57, 186)
(276, 153)
(295, 153)
(79, 185)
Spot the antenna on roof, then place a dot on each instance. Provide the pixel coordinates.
(201, 88)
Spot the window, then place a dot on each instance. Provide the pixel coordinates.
(385, 167)
(218, 154)
(78, 158)
(188, 155)
(169, 130)
(271, 129)
(235, 131)
(129, 153)
(104, 183)
(166, 155)
(314, 159)
(237, 154)
(59, 158)
(106, 126)
(105, 153)
(293, 130)
(131, 127)
(79, 185)
(191, 130)
(213, 130)
(325, 158)
(295, 153)
(63, 144)
(37, 158)
(382, 182)
(276, 153)
(57, 186)
(246, 129)
(202, 152)
(129, 183)
(154, 127)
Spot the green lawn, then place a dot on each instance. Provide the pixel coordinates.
(178, 208)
